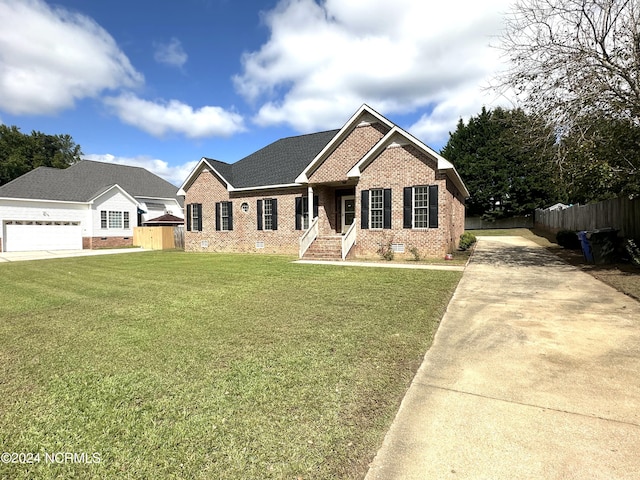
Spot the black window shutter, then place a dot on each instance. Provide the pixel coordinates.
(259, 213)
(218, 215)
(199, 209)
(315, 207)
(407, 207)
(433, 206)
(364, 209)
(230, 210)
(386, 203)
(299, 205)
(274, 214)
(189, 207)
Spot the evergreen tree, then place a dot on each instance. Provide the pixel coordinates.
(506, 159)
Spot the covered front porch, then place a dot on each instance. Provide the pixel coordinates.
(332, 230)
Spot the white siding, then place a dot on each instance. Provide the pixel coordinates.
(114, 200)
(156, 207)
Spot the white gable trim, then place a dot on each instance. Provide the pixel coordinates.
(398, 137)
(203, 163)
(265, 187)
(364, 116)
(117, 187)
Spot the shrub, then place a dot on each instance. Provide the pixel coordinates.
(568, 239)
(466, 240)
(386, 251)
(415, 253)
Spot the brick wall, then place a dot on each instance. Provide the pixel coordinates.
(107, 242)
(207, 189)
(395, 168)
(348, 153)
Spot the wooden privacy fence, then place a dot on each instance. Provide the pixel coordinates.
(619, 213)
(158, 238)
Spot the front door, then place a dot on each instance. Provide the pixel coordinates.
(348, 212)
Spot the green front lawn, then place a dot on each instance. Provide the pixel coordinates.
(174, 365)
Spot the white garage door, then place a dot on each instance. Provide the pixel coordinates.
(27, 236)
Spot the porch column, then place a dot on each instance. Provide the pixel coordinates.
(310, 204)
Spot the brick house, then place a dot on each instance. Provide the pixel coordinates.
(329, 194)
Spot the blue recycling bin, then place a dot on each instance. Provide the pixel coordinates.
(586, 246)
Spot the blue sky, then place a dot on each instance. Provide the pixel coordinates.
(160, 84)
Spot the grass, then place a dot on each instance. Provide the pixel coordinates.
(174, 365)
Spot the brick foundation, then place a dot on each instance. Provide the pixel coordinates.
(106, 242)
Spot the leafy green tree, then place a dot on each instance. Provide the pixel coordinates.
(506, 166)
(601, 159)
(576, 63)
(21, 153)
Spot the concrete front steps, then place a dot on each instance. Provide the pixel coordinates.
(325, 248)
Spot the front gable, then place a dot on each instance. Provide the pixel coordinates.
(414, 150)
(204, 166)
(363, 130)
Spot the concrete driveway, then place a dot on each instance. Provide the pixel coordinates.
(48, 254)
(534, 373)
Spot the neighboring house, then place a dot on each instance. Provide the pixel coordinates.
(88, 205)
(329, 194)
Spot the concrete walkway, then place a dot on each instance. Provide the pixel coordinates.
(534, 373)
(45, 255)
(351, 263)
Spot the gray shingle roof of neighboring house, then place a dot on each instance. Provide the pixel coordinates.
(84, 180)
(276, 164)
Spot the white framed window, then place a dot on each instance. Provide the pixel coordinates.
(114, 219)
(421, 207)
(376, 208)
(224, 215)
(194, 212)
(268, 213)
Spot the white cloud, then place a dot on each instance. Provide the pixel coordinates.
(174, 174)
(51, 57)
(162, 118)
(171, 53)
(322, 61)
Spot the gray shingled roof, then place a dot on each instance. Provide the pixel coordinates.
(84, 180)
(276, 164)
